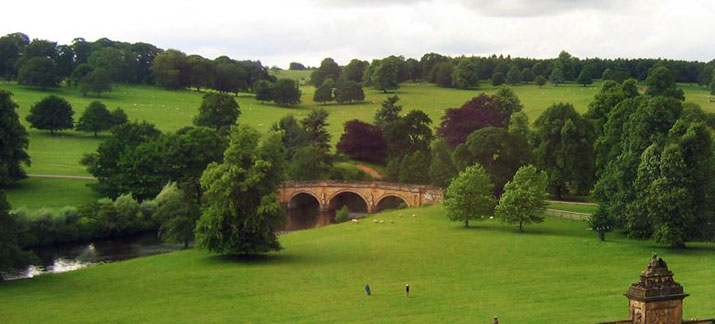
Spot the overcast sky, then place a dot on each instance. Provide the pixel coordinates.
(278, 32)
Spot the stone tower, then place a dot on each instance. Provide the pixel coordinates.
(656, 298)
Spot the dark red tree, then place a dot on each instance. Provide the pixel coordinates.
(482, 111)
(363, 141)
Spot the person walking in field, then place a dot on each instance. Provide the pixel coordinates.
(367, 290)
(407, 290)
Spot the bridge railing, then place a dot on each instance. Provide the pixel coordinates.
(359, 184)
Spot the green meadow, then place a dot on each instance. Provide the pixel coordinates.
(555, 272)
(172, 110)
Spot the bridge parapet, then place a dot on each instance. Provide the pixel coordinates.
(372, 192)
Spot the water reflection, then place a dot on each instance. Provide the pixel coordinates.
(70, 257)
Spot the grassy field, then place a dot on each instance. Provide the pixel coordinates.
(577, 208)
(556, 272)
(171, 110)
(36, 193)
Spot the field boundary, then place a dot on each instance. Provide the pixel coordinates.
(572, 202)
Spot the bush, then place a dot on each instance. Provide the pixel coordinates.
(342, 215)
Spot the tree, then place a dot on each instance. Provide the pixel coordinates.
(413, 167)
(540, 81)
(324, 92)
(355, 70)
(40, 72)
(660, 82)
(389, 112)
(309, 163)
(524, 198)
(442, 168)
(513, 77)
(527, 75)
(229, 76)
(315, 127)
(466, 74)
(408, 134)
(119, 117)
(607, 75)
(601, 222)
(364, 142)
(200, 72)
(13, 142)
(348, 91)
(96, 118)
(442, 73)
(385, 75)
(477, 113)
(170, 69)
(498, 79)
(11, 48)
(469, 196)
(51, 113)
(104, 163)
(328, 69)
(217, 111)
(296, 66)
(563, 142)
(285, 92)
(80, 72)
(294, 136)
(497, 151)
(11, 255)
(248, 177)
(262, 89)
(584, 77)
(97, 81)
(556, 77)
(177, 215)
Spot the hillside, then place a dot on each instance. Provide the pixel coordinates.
(556, 272)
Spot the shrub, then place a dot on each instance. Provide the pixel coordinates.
(342, 215)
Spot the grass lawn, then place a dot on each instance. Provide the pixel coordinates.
(556, 272)
(171, 110)
(573, 207)
(36, 193)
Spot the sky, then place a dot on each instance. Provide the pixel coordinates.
(306, 31)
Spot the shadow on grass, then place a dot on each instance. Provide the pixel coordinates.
(531, 229)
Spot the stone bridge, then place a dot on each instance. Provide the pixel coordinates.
(360, 196)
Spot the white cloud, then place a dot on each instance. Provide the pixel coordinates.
(278, 32)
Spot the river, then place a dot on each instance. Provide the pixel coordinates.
(70, 257)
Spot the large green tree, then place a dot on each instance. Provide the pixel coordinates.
(414, 168)
(309, 163)
(563, 142)
(98, 81)
(388, 112)
(556, 77)
(408, 134)
(315, 127)
(661, 82)
(177, 214)
(170, 70)
(498, 152)
(294, 136)
(52, 113)
(13, 142)
(324, 92)
(348, 91)
(466, 74)
(248, 178)
(385, 75)
(328, 69)
(96, 118)
(40, 72)
(285, 92)
(469, 196)
(217, 111)
(524, 198)
(442, 167)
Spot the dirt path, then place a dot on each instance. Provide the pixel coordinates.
(56, 176)
(372, 172)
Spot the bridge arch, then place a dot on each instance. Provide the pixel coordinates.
(303, 192)
(390, 201)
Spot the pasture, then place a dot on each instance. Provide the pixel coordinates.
(172, 110)
(555, 272)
